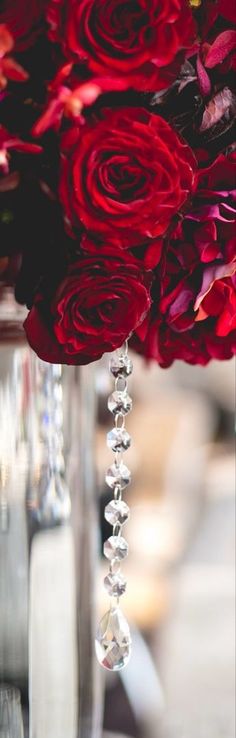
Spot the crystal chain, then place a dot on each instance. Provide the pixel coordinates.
(113, 640)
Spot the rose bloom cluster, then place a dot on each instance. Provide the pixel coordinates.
(117, 176)
(193, 314)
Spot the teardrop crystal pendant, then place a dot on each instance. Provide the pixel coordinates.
(113, 640)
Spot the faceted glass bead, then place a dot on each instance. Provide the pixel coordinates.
(118, 439)
(116, 547)
(115, 584)
(118, 475)
(119, 402)
(117, 512)
(113, 640)
(121, 366)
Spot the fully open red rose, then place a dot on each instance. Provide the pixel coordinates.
(125, 175)
(100, 301)
(141, 41)
(23, 19)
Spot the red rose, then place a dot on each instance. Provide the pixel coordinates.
(100, 301)
(144, 41)
(125, 175)
(189, 322)
(23, 19)
(193, 316)
(198, 346)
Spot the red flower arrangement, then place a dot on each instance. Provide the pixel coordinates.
(117, 163)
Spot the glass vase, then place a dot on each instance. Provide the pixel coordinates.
(48, 540)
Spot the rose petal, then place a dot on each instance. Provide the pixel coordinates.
(223, 45)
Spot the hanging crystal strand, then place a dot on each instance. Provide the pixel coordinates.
(113, 641)
(52, 495)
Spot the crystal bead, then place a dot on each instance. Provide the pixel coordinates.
(121, 366)
(118, 439)
(118, 475)
(113, 640)
(117, 512)
(119, 402)
(116, 547)
(115, 584)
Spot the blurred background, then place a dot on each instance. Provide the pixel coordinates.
(180, 682)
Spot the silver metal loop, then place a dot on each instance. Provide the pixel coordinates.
(123, 350)
(115, 566)
(117, 528)
(125, 347)
(121, 384)
(117, 494)
(118, 458)
(120, 421)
